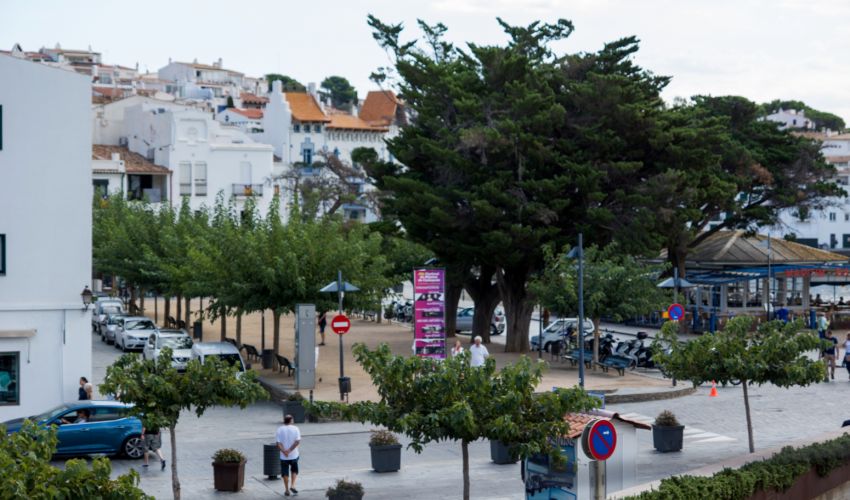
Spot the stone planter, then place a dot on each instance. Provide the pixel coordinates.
(229, 476)
(345, 496)
(386, 458)
(296, 409)
(667, 439)
(500, 453)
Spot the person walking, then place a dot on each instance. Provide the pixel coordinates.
(323, 322)
(288, 439)
(478, 353)
(823, 325)
(457, 349)
(85, 390)
(829, 354)
(847, 354)
(152, 440)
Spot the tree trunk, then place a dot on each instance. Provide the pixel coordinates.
(223, 319)
(175, 481)
(749, 420)
(188, 312)
(452, 298)
(485, 294)
(239, 328)
(276, 329)
(518, 308)
(141, 301)
(464, 447)
(167, 312)
(595, 340)
(179, 314)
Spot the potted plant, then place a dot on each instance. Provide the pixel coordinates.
(386, 451)
(294, 405)
(345, 490)
(501, 453)
(667, 433)
(228, 469)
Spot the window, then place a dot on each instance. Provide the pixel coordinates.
(200, 178)
(317, 128)
(296, 128)
(101, 187)
(307, 156)
(185, 178)
(10, 389)
(846, 216)
(832, 217)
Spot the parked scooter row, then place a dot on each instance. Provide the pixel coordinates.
(399, 310)
(638, 354)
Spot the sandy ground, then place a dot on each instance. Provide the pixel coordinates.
(398, 337)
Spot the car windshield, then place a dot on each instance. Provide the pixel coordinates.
(115, 320)
(232, 359)
(50, 414)
(175, 342)
(111, 310)
(141, 324)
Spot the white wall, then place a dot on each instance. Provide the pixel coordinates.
(45, 213)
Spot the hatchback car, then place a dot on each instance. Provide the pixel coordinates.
(88, 427)
(107, 310)
(114, 323)
(464, 321)
(178, 340)
(558, 330)
(134, 333)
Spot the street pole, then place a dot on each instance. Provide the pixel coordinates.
(341, 367)
(539, 331)
(263, 330)
(580, 311)
(599, 490)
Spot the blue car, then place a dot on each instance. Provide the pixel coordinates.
(90, 427)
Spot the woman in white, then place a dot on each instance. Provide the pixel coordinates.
(457, 349)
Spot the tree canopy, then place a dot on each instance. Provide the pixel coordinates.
(342, 94)
(822, 119)
(288, 83)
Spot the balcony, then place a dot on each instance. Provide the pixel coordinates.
(247, 190)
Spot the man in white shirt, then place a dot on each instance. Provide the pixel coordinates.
(477, 353)
(288, 438)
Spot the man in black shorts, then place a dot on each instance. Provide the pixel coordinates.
(288, 438)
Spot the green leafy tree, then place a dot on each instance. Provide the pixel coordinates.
(340, 91)
(429, 400)
(822, 119)
(26, 471)
(159, 393)
(616, 285)
(288, 83)
(774, 353)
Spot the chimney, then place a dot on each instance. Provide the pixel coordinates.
(277, 87)
(116, 156)
(169, 60)
(313, 90)
(217, 64)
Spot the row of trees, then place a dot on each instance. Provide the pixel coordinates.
(337, 89)
(244, 262)
(515, 149)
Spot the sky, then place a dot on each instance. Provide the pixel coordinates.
(760, 49)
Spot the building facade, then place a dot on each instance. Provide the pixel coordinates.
(45, 236)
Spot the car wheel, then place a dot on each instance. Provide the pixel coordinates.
(133, 447)
(546, 346)
(493, 331)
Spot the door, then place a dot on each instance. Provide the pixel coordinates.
(107, 430)
(73, 436)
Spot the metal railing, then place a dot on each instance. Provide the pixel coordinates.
(247, 190)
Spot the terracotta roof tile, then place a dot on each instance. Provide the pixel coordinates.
(254, 114)
(837, 159)
(305, 108)
(134, 163)
(379, 107)
(350, 122)
(578, 421)
(112, 92)
(253, 99)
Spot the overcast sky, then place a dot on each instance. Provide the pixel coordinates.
(761, 49)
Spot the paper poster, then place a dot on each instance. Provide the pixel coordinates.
(429, 313)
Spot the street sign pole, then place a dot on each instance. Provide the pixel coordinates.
(580, 311)
(599, 492)
(341, 366)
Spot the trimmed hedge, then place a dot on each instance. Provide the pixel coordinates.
(777, 473)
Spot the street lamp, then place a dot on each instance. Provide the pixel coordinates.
(340, 287)
(578, 253)
(86, 295)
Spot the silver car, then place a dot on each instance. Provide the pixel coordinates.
(114, 322)
(134, 333)
(102, 308)
(178, 340)
(464, 321)
(558, 330)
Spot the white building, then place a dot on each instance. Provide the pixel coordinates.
(791, 118)
(45, 236)
(195, 80)
(248, 119)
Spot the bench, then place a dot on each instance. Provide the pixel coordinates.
(231, 341)
(619, 363)
(284, 364)
(573, 356)
(251, 352)
(170, 322)
(181, 324)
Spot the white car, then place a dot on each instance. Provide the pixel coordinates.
(102, 308)
(178, 340)
(114, 323)
(224, 351)
(134, 333)
(559, 330)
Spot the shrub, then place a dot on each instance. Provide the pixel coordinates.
(228, 455)
(345, 488)
(666, 419)
(294, 396)
(382, 438)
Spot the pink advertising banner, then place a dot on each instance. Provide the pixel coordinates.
(429, 313)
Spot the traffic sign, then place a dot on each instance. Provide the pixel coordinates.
(340, 324)
(676, 311)
(599, 439)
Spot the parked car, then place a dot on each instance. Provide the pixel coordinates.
(109, 429)
(225, 351)
(464, 321)
(178, 340)
(114, 322)
(107, 310)
(558, 330)
(134, 333)
(101, 306)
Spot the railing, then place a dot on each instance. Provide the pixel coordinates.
(247, 190)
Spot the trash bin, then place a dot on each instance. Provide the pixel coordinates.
(198, 330)
(268, 358)
(271, 460)
(344, 385)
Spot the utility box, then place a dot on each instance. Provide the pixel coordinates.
(305, 346)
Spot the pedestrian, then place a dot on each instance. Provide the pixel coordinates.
(823, 325)
(288, 439)
(478, 353)
(152, 439)
(847, 354)
(323, 322)
(829, 354)
(85, 390)
(457, 349)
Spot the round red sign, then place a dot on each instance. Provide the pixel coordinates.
(340, 324)
(599, 439)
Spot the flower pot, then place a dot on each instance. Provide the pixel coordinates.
(386, 458)
(296, 409)
(345, 496)
(500, 453)
(229, 476)
(667, 438)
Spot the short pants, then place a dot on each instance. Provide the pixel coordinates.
(153, 442)
(286, 465)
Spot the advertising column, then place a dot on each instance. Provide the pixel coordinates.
(429, 317)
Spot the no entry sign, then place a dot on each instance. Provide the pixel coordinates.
(599, 439)
(340, 324)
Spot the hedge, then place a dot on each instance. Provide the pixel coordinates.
(776, 473)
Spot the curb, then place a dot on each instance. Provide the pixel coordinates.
(649, 396)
